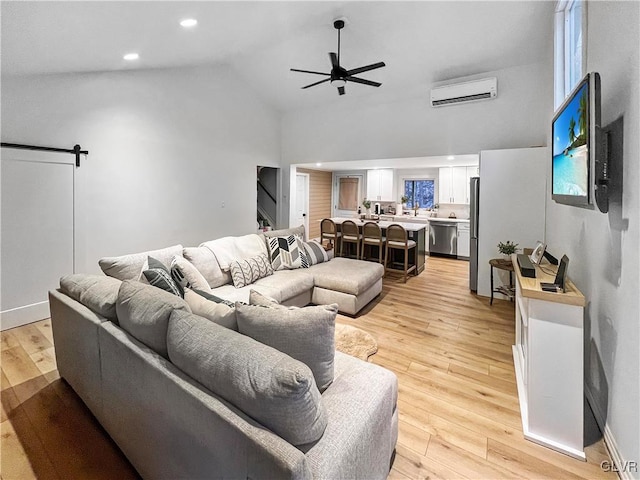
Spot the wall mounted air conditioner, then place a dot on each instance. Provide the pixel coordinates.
(464, 92)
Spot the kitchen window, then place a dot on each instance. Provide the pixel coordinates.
(420, 193)
(569, 47)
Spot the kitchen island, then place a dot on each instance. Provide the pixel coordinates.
(416, 232)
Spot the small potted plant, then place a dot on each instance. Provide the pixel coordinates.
(367, 206)
(403, 202)
(507, 248)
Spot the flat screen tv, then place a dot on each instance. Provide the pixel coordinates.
(576, 132)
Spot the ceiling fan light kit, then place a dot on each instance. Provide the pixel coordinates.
(339, 76)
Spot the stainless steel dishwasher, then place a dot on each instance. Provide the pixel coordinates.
(443, 238)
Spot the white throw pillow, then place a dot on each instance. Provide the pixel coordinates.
(217, 311)
(245, 272)
(188, 276)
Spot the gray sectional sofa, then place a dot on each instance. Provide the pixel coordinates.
(184, 397)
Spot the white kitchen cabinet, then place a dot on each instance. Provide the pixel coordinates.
(380, 185)
(464, 239)
(453, 184)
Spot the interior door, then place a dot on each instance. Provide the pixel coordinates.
(36, 231)
(302, 201)
(348, 195)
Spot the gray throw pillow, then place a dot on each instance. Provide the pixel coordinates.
(159, 276)
(269, 386)
(98, 293)
(143, 311)
(306, 334)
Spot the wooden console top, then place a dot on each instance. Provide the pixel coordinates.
(530, 287)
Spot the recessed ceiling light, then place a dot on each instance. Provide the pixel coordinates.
(318, 164)
(450, 157)
(189, 22)
(131, 56)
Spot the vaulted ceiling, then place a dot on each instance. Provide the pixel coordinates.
(420, 42)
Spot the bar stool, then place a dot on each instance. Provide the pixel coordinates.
(397, 239)
(350, 234)
(372, 236)
(329, 231)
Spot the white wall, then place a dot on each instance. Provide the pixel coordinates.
(166, 149)
(603, 248)
(365, 128)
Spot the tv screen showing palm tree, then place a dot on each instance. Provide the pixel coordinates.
(570, 146)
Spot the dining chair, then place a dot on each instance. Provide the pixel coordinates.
(329, 231)
(372, 237)
(350, 234)
(398, 239)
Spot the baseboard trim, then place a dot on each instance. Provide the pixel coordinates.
(609, 439)
(17, 317)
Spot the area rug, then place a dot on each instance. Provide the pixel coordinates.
(355, 342)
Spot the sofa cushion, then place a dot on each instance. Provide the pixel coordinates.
(246, 271)
(143, 311)
(129, 267)
(219, 312)
(187, 275)
(207, 264)
(287, 253)
(233, 294)
(287, 284)
(315, 252)
(159, 276)
(346, 275)
(274, 389)
(96, 292)
(306, 334)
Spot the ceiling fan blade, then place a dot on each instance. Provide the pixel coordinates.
(310, 71)
(340, 90)
(373, 66)
(334, 59)
(362, 81)
(317, 83)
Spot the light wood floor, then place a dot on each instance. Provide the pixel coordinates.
(459, 413)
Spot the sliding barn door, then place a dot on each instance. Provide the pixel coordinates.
(37, 231)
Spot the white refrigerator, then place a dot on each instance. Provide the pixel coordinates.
(509, 204)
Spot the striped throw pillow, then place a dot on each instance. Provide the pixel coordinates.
(315, 252)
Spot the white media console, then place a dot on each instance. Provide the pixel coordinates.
(548, 357)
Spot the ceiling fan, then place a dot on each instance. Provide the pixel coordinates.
(339, 76)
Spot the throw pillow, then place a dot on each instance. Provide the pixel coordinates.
(159, 276)
(257, 298)
(206, 262)
(269, 386)
(287, 253)
(245, 272)
(315, 252)
(306, 334)
(143, 311)
(187, 275)
(220, 311)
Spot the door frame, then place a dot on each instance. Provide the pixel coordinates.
(335, 191)
(306, 201)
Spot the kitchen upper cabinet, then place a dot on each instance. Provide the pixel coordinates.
(380, 185)
(454, 184)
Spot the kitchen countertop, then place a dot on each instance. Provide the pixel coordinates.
(425, 219)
